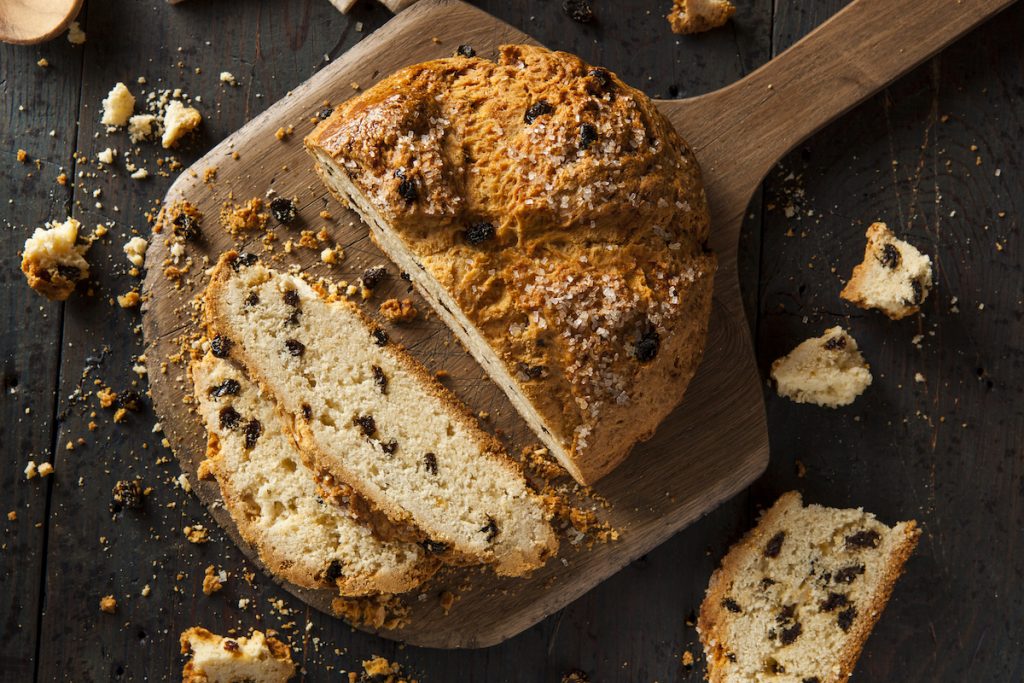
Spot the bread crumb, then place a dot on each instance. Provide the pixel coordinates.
(228, 77)
(108, 604)
(894, 276)
(141, 127)
(45, 469)
(107, 156)
(107, 397)
(53, 259)
(76, 36)
(43, 63)
(211, 581)
(827, 371)
(22, 156)
(332, 255)
(284, 132)
(135, 250)
(248, 216)
(118, 106)
(12, 516)
(697, 16)
(179, 120)
(140, 174)
(130, 299)
(216, 659)
(398, 311)
(197, 534)
(30, 470)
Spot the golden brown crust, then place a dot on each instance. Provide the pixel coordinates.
(709, 625)
(316, 459)
(565, 218)
(697, 16)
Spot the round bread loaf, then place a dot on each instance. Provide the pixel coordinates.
(554, 219)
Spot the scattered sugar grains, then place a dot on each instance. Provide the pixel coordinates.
(828, 371)
(118, 106)
(135, 249)
(179, 120)
(76, 36)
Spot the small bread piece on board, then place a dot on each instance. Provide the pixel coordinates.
(343, 6)
(371, 416)
(797, 597)
(827, 371)
(53, 260)
(894, 277)
(216, 659)
(272, 496)
(697, 16)
(554, 220)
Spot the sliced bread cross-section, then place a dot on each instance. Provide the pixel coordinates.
(373, 418)
(271, 496)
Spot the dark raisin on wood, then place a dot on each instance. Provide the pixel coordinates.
(647, 346)
(220, 346)
(230, 645)
(380, 379)
(229, 387)
(863, 539)
(834, 601)
(68, 272)
(291, 297)
(127, 495)
(229, 418)
(465, 51)
(373, 276)
(307, 412)
(836, 343)
(333, 571)
(253, 430)
(774, 545)
(731, 605)
(283, 209)
(537, 109)
(324, 113)
(890, 257)
(588, 134)
(251, 299)
(789, 635)
(478, 233)
(579, 11)
(846, 617)
(294, 347)
(430, 463)
(129, 400)
(243, 261)
(598, 80)
(367, 424)
(848, 574)
(185, 226)
(380, 337)
(434, 547)
(490, 529)
(389, 447)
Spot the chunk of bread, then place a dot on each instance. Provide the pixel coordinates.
(272, 497)
(697, 16)
(827, 371)
(53, 260)
(894, 277)
(374, 418)
(556, 223)
(216, 659)
(796, 598)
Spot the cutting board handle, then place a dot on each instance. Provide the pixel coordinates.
(741, 131)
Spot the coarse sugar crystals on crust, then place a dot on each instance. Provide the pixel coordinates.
(554, 219)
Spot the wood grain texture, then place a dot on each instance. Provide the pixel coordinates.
(959, 611)
(711, 447)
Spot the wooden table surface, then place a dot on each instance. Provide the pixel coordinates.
(937, 437)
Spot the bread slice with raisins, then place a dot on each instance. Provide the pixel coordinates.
(554, 220)
(216, 659)
(827, 371)
(370, 416)
(795, 599)
(271, 495)
(894, 277)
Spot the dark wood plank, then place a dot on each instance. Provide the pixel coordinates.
(946, 450)
(33, 102)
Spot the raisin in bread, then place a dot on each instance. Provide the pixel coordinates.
(796, 598)
(216, 659)
(697, 16)
(554, 220)
(373, 418)
(53, 260)
(271, 496)
(827, 371)
(894, 277)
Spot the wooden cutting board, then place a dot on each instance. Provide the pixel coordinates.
(712, 446)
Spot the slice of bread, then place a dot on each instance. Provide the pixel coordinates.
(827, 371)
(796, 598)
(272, 497)
(554, 220)
(367, 413)
(216, 659)
(894, 277)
